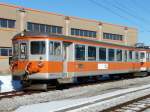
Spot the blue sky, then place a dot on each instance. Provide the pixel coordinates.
(134, 13)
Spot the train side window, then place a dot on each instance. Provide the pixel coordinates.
(111, 54)
(54, 48)
(137, 56)
(38, 47)
(149, 56)
(130, 56)
(91, 53)
(142, 56)
(119, 55)
(80, 52)
(125, 56)
(102, 54)
(51, 47)
(57, 48)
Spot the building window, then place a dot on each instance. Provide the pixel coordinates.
(7, 23)
(36, 27)
(80, 52)
(112, 36)
(91, 53)
(5, 51)
(85, 33)
(102, 54)
(111, 54)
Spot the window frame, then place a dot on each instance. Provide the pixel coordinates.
(91, 56)
(84, 52)
(118, 58)
(105, 53)
(109, 59)
(52, 48)
(36, 27)
(38, 53)
(112, 36)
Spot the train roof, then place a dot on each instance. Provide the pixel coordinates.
(46, 35)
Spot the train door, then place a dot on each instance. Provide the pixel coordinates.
(67, 49)
(23, 50)
(20, 56)
(143, 60)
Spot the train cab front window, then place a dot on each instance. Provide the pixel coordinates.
(38, 47)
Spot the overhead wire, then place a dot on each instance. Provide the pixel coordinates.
(109, 10)
(120, 15)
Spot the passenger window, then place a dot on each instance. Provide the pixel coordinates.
(54, 48)
(102, 54)
(130, 56)
(125, 56)
(119, 55)
(38, 47)
(57, 48)
(142, 56)
(136, 56)
(91, 53)
(80, 52)
(51, 48)
(111, 54)
(149, 56)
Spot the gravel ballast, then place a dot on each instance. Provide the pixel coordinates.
(10, 104)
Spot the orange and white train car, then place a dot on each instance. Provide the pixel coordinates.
(42, 56)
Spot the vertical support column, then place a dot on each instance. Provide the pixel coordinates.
(126, 35)
(22, 20)
(100, 33)
(67, 21)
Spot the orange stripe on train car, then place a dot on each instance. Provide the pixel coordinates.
(48, 66)
(93, 66)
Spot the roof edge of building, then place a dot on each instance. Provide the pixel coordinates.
(90, 20)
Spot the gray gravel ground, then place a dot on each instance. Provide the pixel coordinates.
(10, 104)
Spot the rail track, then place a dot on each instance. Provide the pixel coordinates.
(135, 99)
(11, 94)
(29, 91)
(137, 105)
(128, 100)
